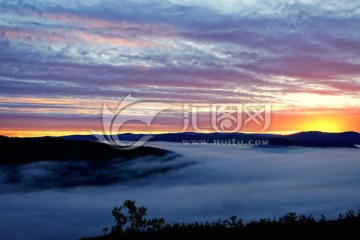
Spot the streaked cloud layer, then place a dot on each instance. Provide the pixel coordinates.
(63, 59)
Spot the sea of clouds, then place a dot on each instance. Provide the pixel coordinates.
(202, 183)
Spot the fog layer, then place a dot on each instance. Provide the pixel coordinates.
(206, 183)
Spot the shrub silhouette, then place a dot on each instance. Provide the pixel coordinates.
(131, 223)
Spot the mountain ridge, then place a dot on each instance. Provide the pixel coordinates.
(304, 139)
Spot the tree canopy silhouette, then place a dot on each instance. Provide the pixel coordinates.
(131, 223)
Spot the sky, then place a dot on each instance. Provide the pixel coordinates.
(60, 61)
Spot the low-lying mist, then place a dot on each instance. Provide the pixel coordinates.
(204, 183)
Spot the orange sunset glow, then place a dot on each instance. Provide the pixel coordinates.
(280, 124)
(55, 78)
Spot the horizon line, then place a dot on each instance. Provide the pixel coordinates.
(73, 133)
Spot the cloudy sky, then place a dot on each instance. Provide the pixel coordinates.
(60, 61)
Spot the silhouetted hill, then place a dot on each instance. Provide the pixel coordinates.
(179, 137)
(351, 137)
(26, 150)
(303, 139)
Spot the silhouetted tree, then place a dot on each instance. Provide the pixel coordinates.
(120, 220)
(136, 216)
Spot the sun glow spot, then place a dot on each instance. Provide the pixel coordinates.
(323, 123)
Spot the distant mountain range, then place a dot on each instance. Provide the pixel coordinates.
(304, 139)
(85, 147)
(71, 161)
